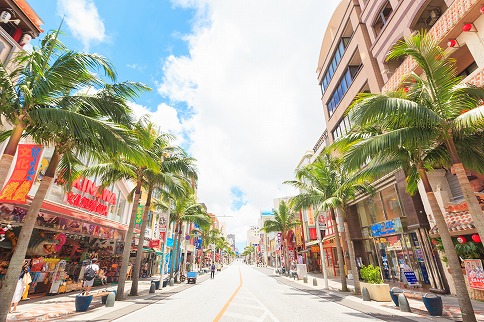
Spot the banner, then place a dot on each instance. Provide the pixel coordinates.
(475, 273)
(23, 175)
(139, 215)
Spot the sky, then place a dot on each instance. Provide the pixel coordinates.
(235, 81)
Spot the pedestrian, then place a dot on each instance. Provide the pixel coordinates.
(23, 280)
(212, 270)
(90, 273)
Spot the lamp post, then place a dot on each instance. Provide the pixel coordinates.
(321, 251)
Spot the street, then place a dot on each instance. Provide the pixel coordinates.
(243, 293)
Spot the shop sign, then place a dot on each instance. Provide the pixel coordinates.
(98, 204)
(311, 221)
(23, 175)
(474, 273)
(279, 241)
(315, 249)
(155, 243)
(298, 234)
(139, 215)
(389, 227)
(169, 242)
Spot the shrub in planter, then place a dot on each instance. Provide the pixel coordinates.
(374, 283)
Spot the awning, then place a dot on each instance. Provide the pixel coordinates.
(312, 242)
(458, 223)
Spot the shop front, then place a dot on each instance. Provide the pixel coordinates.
(61, 246)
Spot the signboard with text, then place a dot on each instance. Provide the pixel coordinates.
(474, 273)
(23, 175)
(385, 228)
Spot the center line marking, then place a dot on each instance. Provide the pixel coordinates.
(224, 308)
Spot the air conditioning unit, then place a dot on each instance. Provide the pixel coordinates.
(434, 15)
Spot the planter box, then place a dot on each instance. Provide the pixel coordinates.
(378, 292)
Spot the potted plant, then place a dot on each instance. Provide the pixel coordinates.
(373, 281)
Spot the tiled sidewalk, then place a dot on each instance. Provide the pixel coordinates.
(61, 306)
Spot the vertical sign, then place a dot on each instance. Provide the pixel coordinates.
(139, 215)
(311, 221)
(22, 178)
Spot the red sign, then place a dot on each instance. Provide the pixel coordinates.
(98, 204)
(313, 234)
(155, 243)
(22, 178)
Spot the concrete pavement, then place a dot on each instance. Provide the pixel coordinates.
(451, 306)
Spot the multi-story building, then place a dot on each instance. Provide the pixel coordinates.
(391, 228)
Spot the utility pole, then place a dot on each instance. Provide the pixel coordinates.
(321, 252)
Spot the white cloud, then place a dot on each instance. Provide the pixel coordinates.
(250, 79)
(82, 18)
(165, 117)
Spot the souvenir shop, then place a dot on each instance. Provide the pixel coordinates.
(60, 248)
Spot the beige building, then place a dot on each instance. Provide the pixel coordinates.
(353, 60)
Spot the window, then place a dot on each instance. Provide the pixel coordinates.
(342, 87)
(391, 202)
(469, 69)
(342, 128)
(338, 54)
(382, 18)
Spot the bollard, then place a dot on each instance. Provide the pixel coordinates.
(315, 281)
(403, 303)
(110, 299)
(172, 281)
(394, 294)
(305, 279)
(152, 287)
(433, 304)
(365, 294)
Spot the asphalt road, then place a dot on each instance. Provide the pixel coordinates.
(242, 293)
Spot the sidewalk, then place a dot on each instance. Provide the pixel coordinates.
(451, 306)
(63, 306)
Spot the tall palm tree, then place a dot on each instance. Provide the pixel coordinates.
(284, 220)
(437, 103)
(52, 75)
(176, 171)
(124, 167)
(185, 210)
(326, 185)
(77, 132)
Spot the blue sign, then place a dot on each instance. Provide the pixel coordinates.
(199, 243)
(410, 277)
(385, 228)
(169, 242)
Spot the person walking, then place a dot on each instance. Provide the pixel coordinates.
(212, 270)
(23, 280)
(90, 272)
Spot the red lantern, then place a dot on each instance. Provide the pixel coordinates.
(476, 238)
(405, 89)
(468, 27)
(482, 9)
(461, 239)
(434, 241)
(452, 43)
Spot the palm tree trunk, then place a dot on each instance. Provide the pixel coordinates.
(453, 260)
(18, 257)
(178, 250)
(139, 251)
(339, 250)
(173, 253)
(286, 253)
(9, 153)
(127, 244)
(351, 250)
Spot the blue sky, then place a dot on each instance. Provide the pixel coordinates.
(235, 81)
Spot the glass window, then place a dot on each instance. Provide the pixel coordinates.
(335, 60)
(382, 18)
(391, 202)
(375, 207)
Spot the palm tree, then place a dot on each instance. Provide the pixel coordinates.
(185, 210)
(50, 76)
(284, 220)
(124, 167)
(77, 132)
(326, 185)
(437, 102)
(175, 172)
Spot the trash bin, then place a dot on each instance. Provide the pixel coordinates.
(83, 302)
(105, 297)
(157, 283)
(165, 282)
(394, 294)
(433, 303)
